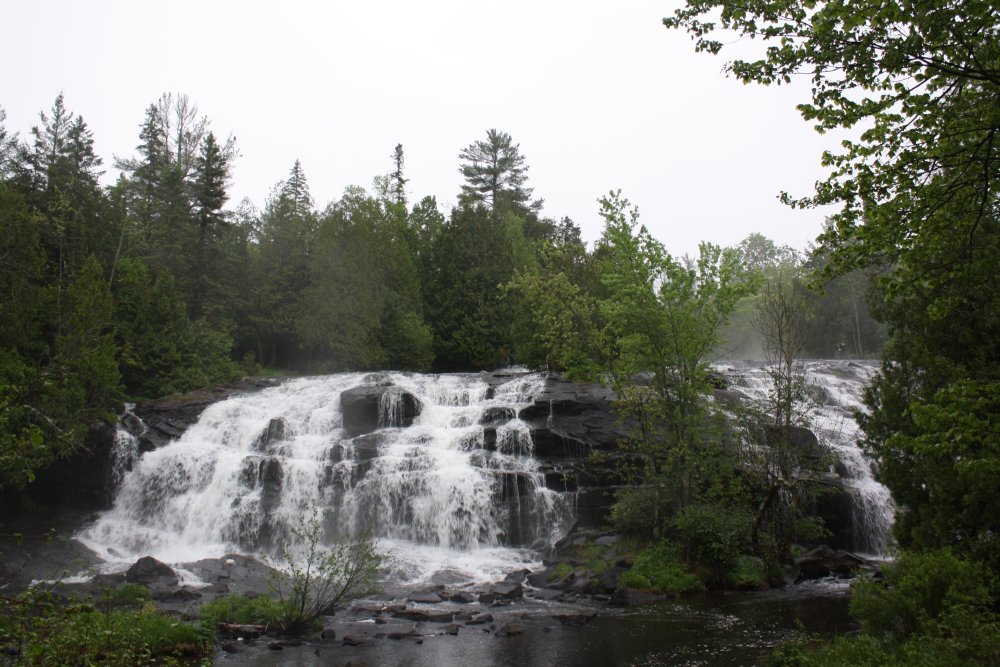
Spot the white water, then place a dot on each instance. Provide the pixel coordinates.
(836, 387)
(436, 493)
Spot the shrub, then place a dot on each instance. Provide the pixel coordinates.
(747, 572)
(711, 537)
(657, 568)
(919, 591)
(312, 579)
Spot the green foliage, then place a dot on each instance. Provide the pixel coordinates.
(243, 609)
(657, 568)
(634, 511)
(747, 572)
(711, 538)
(312, 579)
(364, 278)
(921, 592)
(946, 472)
(494, 169)
(162, 352)
(930, 609)
(558, 316)
(42, 631)
(128, 595)
(464, 306)
(561, 570)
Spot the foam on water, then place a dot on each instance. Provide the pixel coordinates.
(253, 466)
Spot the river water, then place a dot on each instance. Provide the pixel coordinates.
(712, 630)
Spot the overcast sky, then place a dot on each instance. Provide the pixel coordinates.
(599, 95)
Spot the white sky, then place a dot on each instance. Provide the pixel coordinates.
(599, 95)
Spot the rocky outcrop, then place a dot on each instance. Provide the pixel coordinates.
(368, 407)
(167, 418)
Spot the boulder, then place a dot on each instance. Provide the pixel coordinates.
(480, 619)
(150, 572)
(511, 629)
(824, 562)
(274, 433)
(364, 409)
(508, 591)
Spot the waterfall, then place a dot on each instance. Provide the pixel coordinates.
(125, 448)
(836, 388)
(459, 484)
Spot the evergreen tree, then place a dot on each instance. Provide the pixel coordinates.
(495, 168)
(472, 258)
(8, 147)
(398, 181)
(209, 194)
(287, 229)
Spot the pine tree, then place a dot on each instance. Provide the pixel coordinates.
(209, 194)
(495, 169)
(398, 182)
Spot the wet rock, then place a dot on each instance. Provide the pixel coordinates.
(425, 598)
(274, 433)
(275, 646)
(497, 415)
(507, 591)
(452, 629)
(149, 572)
(825, 562)
(361, 410)
(460, 597)
(511, 629)
(355, 640)
(425, 615)
(517, 576)
(230, 647)
(480, 619)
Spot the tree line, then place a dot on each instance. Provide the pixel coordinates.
(158, 284)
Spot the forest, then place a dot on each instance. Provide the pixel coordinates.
(157, 284)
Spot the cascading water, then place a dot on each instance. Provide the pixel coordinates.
(836, 388)
(457, 489)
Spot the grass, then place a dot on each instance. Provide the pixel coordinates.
(242, 609)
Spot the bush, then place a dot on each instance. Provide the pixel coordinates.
(633, 511)
(711, 538)
(657, 568)
(932, 610)
(312, 579)
(747, 572)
